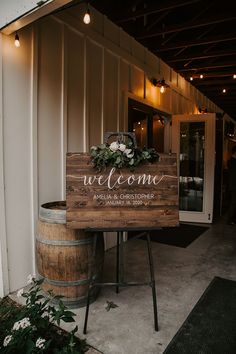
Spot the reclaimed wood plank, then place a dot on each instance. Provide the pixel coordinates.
(144, 198)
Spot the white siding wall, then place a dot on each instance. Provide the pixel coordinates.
(62, 89)
(17, 148)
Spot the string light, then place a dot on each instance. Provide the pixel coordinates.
(234, 76)
(191, 78)
(87, 18)
(224, 90)
(17, 40)
(201, 76)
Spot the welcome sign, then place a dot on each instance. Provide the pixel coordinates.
(146, 198)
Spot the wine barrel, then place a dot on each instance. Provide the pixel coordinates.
(64, 256)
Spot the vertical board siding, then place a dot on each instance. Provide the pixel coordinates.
(138, 51)
(75, 91)
(94, 82)
(49, 111)
(165, 100)
(17, 156)
(111, 31)
(111, 92)
(4, 280)
(152, 93)
(173, 78)
(164, 71)
(124, 87)
(137, 81)
(152, 62)
(125, 41)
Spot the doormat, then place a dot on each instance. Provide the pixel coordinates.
(181, 236)
(210, 326)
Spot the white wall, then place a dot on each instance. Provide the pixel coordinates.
(62, 89)
(17, 147)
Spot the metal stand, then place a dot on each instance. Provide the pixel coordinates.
(119, 275)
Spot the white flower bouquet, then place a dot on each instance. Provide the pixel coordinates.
(120, 155)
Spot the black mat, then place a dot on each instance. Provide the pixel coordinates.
(181, 236)
(210, 328)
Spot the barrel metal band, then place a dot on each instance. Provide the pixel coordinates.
(86, 241)
(67, 282)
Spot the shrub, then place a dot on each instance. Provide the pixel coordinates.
(33, 328)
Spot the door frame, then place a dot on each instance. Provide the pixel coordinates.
(205, 216)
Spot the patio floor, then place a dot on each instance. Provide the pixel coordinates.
(182, 275)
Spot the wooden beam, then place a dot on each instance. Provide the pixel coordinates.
(196, 42)
(204, 68)
(202, 57)
(187, 26)
(154, 9)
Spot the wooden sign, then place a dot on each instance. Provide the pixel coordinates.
(146, 198)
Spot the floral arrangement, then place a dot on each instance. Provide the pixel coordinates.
(120, 155)
(33, 328)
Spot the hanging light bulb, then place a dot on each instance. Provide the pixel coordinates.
(234, 76)
(162, 89)
(87, 18)
(17, 40)
(191, 78)
(201, 76)
(224, 90)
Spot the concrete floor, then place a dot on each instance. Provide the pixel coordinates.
(182, 275)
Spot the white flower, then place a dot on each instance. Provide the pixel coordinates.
(24, 323)
(40, 343)
(129, 153)
(114, 146)
(122, 147)
(7, 340)
(30, 279)
(20, 292)
(45, 315)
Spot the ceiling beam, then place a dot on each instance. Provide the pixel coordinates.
(210, 67)
(201, 83)
(187, 26)
(202, 57)
(154, 9)
(197, 42)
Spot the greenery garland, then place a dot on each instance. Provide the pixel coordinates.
(120, 155)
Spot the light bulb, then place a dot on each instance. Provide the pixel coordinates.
(191, 78)
(224, 90)
(87, 18)
(234, 76)
(162, 89)
(17, 40)
(201, 76)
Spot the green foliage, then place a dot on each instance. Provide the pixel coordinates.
(121, 155)
(32, 328)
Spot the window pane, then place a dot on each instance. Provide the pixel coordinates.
(192, 140)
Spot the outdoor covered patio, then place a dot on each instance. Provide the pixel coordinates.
(60, 92)
(182, 276)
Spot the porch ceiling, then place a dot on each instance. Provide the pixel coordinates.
(192, 36)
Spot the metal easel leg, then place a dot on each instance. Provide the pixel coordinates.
(90, 282)
(117, 261)
(153, 286)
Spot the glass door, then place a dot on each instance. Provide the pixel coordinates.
(193, 139)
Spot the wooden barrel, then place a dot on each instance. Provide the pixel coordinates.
(64, 256)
